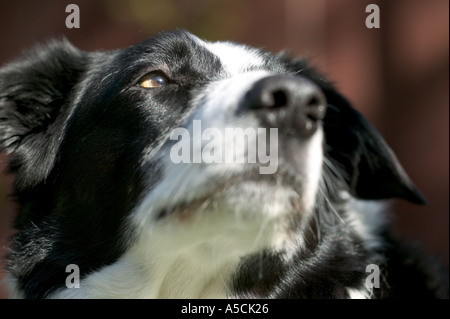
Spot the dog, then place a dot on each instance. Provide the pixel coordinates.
(181, 168)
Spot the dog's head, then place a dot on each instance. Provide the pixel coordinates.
(174, 145)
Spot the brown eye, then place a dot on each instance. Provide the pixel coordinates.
(153, 80)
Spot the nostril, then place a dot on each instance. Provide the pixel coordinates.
(312, 101)
(315, 108)
(274, 99)
(280, 98)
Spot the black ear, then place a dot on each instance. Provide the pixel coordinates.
(368, 165)
(34, 101)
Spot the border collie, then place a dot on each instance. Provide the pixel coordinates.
(180, 168)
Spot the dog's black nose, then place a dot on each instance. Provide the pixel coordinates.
(294, 104)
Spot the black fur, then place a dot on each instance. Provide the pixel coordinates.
(76, 127)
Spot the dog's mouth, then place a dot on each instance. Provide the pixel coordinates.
(251, 194)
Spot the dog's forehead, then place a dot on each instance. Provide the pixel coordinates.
(236, 58)
(182, 50)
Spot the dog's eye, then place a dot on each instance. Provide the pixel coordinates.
(153, 80)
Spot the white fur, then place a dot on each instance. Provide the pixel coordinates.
(361, 293)
(367, 220)
(235, 58)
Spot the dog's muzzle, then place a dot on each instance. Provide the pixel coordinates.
(293, 104)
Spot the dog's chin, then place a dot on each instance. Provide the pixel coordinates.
(247, 198)
(247, 215)
(242, 191)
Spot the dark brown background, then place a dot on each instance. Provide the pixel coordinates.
(397, 75)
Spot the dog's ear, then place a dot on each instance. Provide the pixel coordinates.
(34, 94)
(367, 163)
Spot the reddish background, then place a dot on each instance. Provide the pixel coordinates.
(397, 75)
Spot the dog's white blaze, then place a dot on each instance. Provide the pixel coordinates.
(236, 59)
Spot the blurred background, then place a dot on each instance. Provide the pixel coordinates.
(397, 75)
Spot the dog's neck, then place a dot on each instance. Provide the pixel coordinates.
(195, 259)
